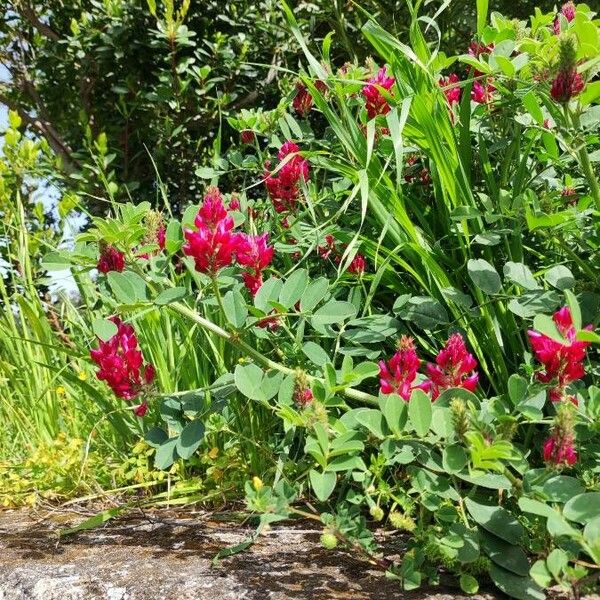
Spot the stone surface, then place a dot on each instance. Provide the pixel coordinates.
(165, 555)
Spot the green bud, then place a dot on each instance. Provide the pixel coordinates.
(377, 513)
(329, 540)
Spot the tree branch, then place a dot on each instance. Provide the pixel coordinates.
(27, 12)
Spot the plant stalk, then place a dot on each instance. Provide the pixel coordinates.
(233, 339)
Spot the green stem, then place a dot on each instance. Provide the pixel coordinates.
(586, 165)
(250, 351)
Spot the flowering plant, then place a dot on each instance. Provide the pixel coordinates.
(353, 298)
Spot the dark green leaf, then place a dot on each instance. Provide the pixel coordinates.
(484, 276)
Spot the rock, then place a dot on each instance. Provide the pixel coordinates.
(164, 555)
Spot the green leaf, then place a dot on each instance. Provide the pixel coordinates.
(95, 521)
(166, 454)
(496, 520)
(56, 261)
(530, 102)
(557, 525)
(582, 508)
(454, 458)
(315, 353)
(521, 275)
(588, 336)
(420, 412)
(591, 534)
(314, 293)
(335, 311)
(562, 488)
(574, 308)
(517, 388)
(424, 311)
(235, 308)
(190, 438)
(155, 436)
(546, 325)
(556, 562)
(468, 584)
(484, 276)
(122, 286)
(535, 507)
(170, 295)
(522, 588)
(267, 292)
(373, 420)
(322, 484)
(248, 380)
(560, 277)
(293, 288)
(540, 574)
(174, 236)
(346, 463)
(104, 329)
(206, 173)
(506, 555)
(395, 411)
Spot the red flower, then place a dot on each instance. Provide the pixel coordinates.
(284, 185)
(213, 245)
(570, 195)
(141, 410)
(271, 323)
(110, 259)
(559, 452)
(568, 12)
(559, 448)
(476, 49)
(161, 237)
(451, 91)
(566, 84)
(329, 247)
(234, 204)
(255, 254)
(455, 367)
(121, 363)
(375, 103)
(247, 136)
(303, 101)
(481, 92)
(562, 361)
(357, 266)
(398, 374)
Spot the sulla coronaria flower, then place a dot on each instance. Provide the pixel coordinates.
(255, 254)
(454, 367)
(482, 89)
(568, 82)
(397, 376)
(121, 364)
(283, 185)
(559, 449)
(358, 265)
(450, 89)
(375, 103)
(213, 245)
(110, 259)
(567, 10)
(562, 360)
(303, 100)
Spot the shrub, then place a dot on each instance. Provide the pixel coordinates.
(374, 251)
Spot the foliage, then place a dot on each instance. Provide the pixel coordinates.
(429, 222)
(113, 86)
